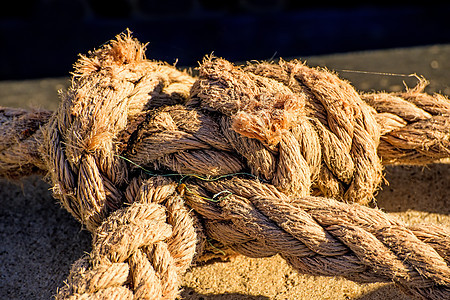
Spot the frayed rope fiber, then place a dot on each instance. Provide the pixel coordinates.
(166, 170)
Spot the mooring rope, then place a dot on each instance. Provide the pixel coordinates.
(262, 159)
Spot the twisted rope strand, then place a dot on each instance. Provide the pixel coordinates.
(352, 241)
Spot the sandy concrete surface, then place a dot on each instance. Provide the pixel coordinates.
(39, 240)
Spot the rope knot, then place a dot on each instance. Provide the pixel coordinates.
(304, 130)
(259, 107)
(253, 150)
(141, 228)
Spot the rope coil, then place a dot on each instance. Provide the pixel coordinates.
(264, 159)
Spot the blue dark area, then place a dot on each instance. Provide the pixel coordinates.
(42, 38)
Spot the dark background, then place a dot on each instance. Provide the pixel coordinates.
(42, 38)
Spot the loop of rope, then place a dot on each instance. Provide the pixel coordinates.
(257, 152)
(151, 241)
(143, 247)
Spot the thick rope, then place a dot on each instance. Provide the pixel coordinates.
(415, 125)
(320, 236)
(150, 242)
(252, 151)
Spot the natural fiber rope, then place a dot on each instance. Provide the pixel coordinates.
(250, 150)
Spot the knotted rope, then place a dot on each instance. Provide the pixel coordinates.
(263, 159)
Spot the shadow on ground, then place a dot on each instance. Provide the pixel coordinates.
(190, 294)
(385, 292)
(416, 188)
(39, 240)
